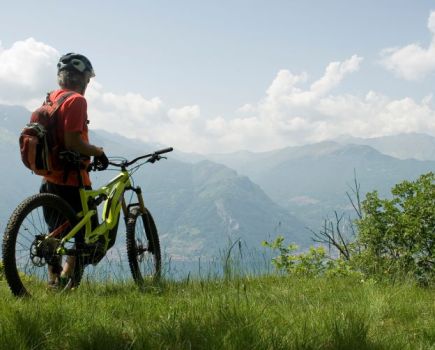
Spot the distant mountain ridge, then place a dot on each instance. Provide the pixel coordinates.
(202, 201)
(311, 181)
(13, 118)
(198, 208)
(403, 146)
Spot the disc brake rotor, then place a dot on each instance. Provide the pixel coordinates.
(43, 250)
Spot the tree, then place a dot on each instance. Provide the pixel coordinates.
(398, 235)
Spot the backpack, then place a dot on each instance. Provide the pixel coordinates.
(39, 144)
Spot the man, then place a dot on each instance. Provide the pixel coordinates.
(74, 72)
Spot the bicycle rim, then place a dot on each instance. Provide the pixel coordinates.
(143, 248)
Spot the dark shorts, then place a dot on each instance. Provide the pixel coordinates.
(71, 195)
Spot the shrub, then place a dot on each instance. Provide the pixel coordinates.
(398, 235)
(394, 237)
(314, 262)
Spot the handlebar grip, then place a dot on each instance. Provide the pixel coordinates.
(165, 150)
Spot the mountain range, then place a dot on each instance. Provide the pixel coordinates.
(201, 203)
(199, 208)
(403, 146)
(311, 181)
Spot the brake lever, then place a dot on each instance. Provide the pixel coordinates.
(155, 158)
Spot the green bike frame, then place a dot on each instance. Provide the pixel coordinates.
(113, 196)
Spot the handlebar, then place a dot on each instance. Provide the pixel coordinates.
(155, 156)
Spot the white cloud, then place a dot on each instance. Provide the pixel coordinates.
(246, 109)
(184, 115)
(284, 90)
(431, 22)
(291, 115)
(376, 115)
(129, 113)
(133, 115)
(293, 110)
(335, 72)
(27, 71)
(412, 62)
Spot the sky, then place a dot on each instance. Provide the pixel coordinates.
(221, 76)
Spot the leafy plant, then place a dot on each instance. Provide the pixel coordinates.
(312, 263)
(390, 237)
(398, 235)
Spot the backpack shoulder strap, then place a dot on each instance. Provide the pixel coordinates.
(58, 102)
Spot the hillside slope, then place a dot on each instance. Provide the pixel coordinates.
(311, 181)
(202, 207)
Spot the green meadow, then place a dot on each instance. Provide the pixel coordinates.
(268, 312)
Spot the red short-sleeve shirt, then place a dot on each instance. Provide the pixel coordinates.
(72, 117)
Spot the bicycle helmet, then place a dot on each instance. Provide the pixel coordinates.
(74, 61)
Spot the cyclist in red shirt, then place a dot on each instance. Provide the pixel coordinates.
(74, 72)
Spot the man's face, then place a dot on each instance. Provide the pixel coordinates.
(88, 76)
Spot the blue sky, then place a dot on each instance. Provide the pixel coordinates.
(228, 75)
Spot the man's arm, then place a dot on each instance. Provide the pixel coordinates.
(74, 142)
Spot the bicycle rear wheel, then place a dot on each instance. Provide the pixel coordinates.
(143, 247)
(29, 244)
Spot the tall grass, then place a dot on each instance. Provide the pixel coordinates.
(269, 312)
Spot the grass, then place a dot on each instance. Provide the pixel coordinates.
(271, 312)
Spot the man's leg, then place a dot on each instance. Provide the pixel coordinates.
(71, 195)
(54, 268)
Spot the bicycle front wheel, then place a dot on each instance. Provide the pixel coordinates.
(143, 247)
(31, 238)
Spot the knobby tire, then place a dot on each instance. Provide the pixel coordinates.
(27, 217)
(143, 247)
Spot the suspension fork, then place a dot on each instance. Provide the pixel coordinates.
(124, 208)
(140, 199)
(140, 203)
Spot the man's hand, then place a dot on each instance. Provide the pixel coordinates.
(101, 162)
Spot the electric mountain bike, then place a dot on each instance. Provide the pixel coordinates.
(44, 231)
